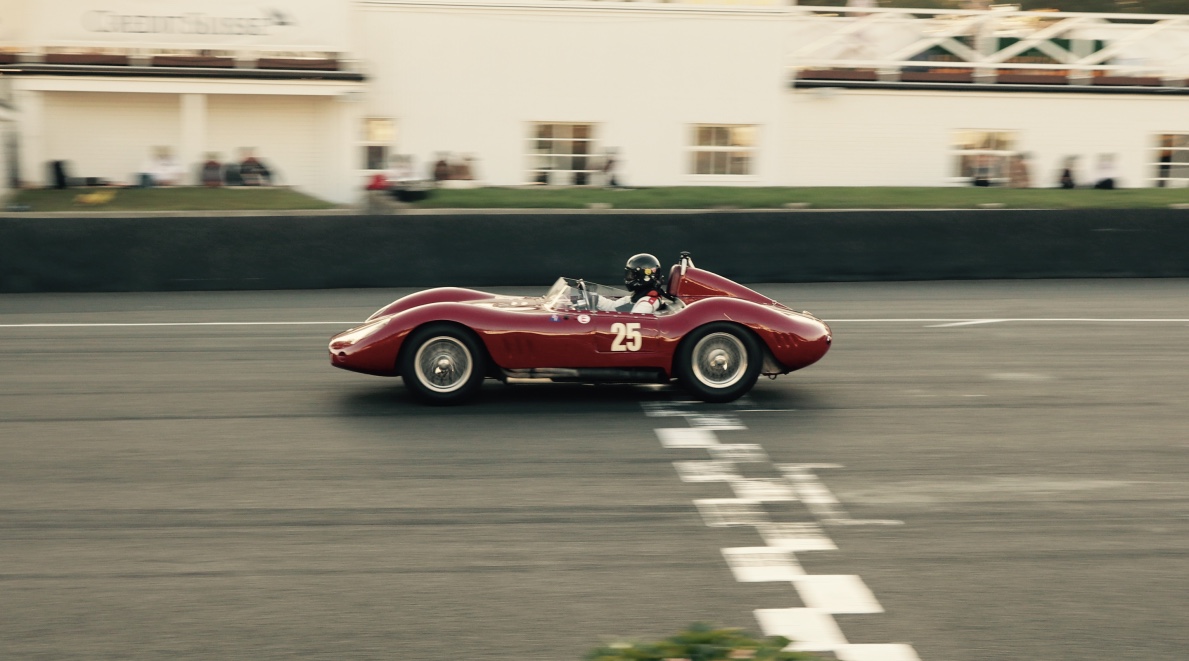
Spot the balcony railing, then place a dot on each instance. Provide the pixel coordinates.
(989, 46)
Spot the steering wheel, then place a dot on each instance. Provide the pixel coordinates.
(586, 300)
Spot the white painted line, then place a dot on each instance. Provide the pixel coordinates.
(796, 537)
(763, 490)
(740, 453)
(810, 630)
(682, 437)
(837, 594)
(351, 324)
(883, 652)
(724, 512)
(793, 467)
(345, 324)
(706, 471)
(967, 323)
(863, 522)
(662, 410)
(719, 422)
(762, 564)
(1058, 320)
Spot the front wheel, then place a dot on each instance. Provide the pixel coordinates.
(443, 364)
(718, 362)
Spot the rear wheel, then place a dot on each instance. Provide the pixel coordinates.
(718, 362)
(443, 364)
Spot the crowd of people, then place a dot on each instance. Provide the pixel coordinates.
(1015, 171)
(163, 169)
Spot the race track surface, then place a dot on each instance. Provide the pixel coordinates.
(1007, 489)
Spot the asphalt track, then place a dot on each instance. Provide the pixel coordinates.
(218, 491)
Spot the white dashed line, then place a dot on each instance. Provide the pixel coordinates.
(703, 470)
(882, 652)
(762, 564)
(763, 489)
(725, 512)
(686, 438)
(837, 595)
(812, 628)
(796, 537)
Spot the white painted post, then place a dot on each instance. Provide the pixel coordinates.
(192, 151)
(30, 107)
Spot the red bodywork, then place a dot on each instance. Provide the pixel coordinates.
(522, 333)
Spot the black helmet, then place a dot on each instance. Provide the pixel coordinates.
(643, 273)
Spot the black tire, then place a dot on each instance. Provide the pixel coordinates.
(718, 362)
(443, 364)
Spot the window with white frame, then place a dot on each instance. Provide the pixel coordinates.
(379, 133)
(982, 156)
(563, 154)
(723, 149)
(1170, 160)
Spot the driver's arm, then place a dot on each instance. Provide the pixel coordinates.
(605, 304)
(647, 305)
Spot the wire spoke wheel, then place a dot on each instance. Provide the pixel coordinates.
(443, 364)
(720, 360)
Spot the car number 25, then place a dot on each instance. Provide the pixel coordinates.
(627, 337)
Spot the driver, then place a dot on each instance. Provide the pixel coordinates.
(643, 278)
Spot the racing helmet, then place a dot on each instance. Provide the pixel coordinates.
(643, 273)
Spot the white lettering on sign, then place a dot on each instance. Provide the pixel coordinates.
(627, 337)
(288, 25)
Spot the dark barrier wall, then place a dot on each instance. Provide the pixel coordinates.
(151, 254)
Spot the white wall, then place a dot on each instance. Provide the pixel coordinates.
(106, 135)
(903, 138)
(472, 80)
(283, 130)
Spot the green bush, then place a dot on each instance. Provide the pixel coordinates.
(702, 643)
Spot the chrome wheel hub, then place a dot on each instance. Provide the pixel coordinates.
(443, 364)
(719, 360)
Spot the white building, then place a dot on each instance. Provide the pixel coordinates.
(679, 93)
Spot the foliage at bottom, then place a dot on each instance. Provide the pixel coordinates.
(701, 642)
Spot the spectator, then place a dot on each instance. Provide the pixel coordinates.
(1105, 176)
(609, 178)
(984, 170)
(1068, 178)
(253, 171)
(1166, 145)
(441, 169)
(1018, 175)
(162, 169)
(212, 171)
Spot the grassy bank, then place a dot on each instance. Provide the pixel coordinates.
(675, 197)
(167, 199)
(709, 197)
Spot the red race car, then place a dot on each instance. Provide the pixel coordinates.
(714, 336)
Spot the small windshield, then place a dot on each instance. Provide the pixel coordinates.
(569, 294)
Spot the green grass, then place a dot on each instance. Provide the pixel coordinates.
(709, 197)
(674, 197)
(171, 199)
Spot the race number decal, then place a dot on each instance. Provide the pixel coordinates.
(627, 337)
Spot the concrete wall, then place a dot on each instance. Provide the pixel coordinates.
(201, 253)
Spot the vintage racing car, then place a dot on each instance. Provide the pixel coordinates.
(715, 337)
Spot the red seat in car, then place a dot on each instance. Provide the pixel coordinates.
(675, 280)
